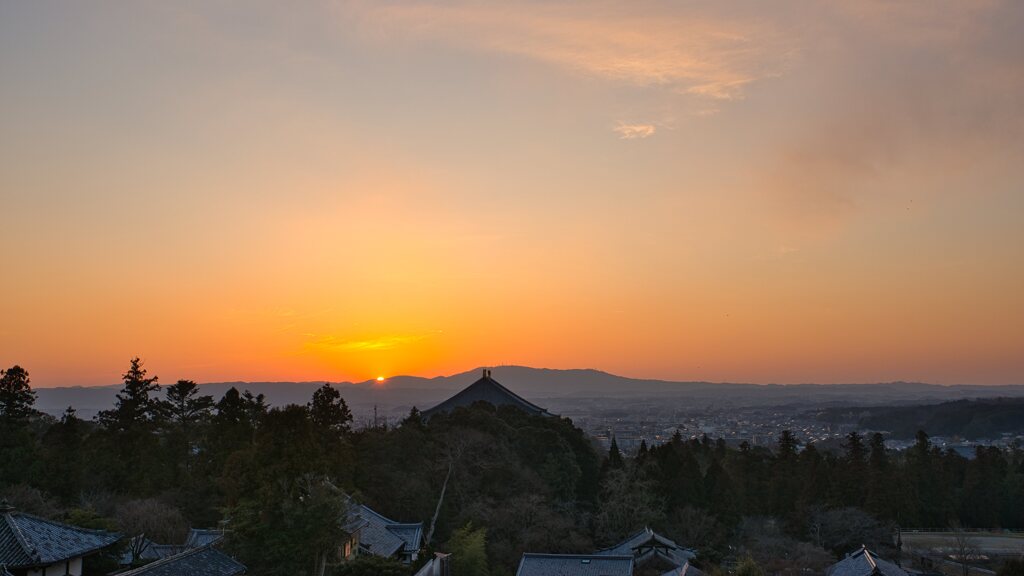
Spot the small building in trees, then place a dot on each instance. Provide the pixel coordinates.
(372, 533)
(654, 553)
(33, 546)
(486, 389)
(863, 562)
(198, 537)
(575, 565)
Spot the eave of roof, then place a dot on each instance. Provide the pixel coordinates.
(510, 398)
(32, 557)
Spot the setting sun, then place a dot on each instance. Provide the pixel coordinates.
(380, 378)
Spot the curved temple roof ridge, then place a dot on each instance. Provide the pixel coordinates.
(489, 390)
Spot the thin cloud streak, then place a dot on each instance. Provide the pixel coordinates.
(634, 131)
(687, 54)
(329, 342)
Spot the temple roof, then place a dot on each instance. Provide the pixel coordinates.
(575, 565)
(863, 562)
(382, 536)
(202, 537)
(27, 540)
(648, 544)
(202, 561)
(486, 389)
(197, 538)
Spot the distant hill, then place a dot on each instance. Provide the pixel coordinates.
(398, 394)
(971, 419)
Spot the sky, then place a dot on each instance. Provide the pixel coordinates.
(727, 191)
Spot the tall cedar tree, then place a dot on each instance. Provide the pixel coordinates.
(16, 396)
(17, 444)
(131, 454)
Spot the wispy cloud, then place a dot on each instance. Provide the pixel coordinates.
(685, 53)
(389, 342)
(634, 131)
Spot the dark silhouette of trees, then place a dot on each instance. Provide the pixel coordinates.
(17, 446)
(129, 431)
(17, 399)
(468, 547)
(533, 483)
(329, 412)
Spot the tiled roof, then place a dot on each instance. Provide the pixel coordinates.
(486, 389)
(863, 562)
(203, 561)
(202, 537)
(575, 565)
(149, 550)
(647, 544)
(381, 536)
(27, 540)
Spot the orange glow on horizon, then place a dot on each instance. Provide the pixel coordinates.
(424, 188)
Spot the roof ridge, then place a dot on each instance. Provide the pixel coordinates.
(378, 514)
(166, 559)
(517, 396)
(61, 524)
(28, 549)
(598, 556)
(867, 554)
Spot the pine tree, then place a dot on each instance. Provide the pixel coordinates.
(131, 456)
(135, 408)
(17, 399)
(615, 461)
(329, 412)
(17, 442)
(185, 410)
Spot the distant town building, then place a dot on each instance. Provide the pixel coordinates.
(575, 565)
(486, 389)
(33, 546)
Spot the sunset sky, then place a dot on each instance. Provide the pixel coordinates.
(729, 191)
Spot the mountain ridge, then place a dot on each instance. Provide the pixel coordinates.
(399, 393)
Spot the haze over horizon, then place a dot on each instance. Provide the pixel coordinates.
(724, 192)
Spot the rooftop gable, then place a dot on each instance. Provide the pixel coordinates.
(382, 536)
(647, 544)
(198, 537)
(27, 540)
(863, 562)
(489, 390)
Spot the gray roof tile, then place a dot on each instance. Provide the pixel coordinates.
(382, 536)
(575, 565)
(27, 540)
(863, 562)
(202, 561)
(203, 537)
(647, 544)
